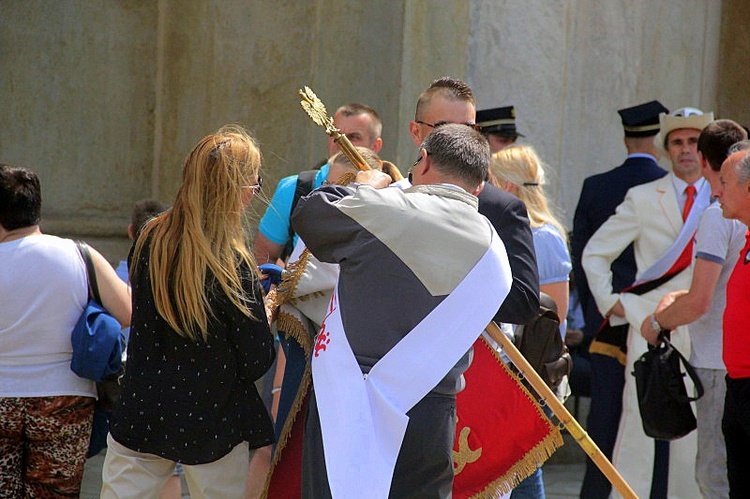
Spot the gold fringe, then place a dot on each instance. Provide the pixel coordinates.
(523, 468)
(294, 329)
(285, 290)
(535, 457)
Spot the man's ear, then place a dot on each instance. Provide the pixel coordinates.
(377, 145)
(131, 234)
(704, 164)
(414, 132)
(426, 162)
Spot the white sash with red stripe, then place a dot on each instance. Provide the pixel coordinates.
(363, 417)
(669, 258)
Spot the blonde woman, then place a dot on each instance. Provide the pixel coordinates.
(518, 170)
(199, 337)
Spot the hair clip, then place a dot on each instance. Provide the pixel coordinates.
(214, 154)
(530, 184)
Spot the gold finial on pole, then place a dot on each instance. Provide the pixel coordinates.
(316, 110)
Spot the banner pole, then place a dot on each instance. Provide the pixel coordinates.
(561, 412)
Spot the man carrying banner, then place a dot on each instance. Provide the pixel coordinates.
(660, 219)
(422, 273)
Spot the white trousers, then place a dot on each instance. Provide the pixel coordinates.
(130, 474)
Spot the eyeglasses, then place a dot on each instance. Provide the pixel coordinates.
(441, 123)
(255, 187)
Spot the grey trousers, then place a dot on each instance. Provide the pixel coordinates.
(711, 459)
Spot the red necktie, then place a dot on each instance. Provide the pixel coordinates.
(686, 257)
(690, 192)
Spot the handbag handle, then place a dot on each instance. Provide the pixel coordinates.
(688, 370)
(83, 249)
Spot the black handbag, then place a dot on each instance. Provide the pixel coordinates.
(662, 397)
(542, 346)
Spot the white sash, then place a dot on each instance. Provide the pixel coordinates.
(665, 262)
(363, 417)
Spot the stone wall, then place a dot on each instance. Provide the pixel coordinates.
(105, 99)
(568, 66)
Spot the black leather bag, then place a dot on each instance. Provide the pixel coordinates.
(540, 343)
(662, 397)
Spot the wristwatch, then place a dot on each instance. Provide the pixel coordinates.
(655, 324)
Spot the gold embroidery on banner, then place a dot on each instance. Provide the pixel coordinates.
(464, 455)
(535, 457)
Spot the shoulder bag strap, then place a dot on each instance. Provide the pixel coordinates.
(83, 249)
(303, 187)
(690, 372)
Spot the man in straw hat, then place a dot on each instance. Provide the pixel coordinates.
(660, 219)
(718, 241)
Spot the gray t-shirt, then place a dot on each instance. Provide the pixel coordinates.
(718, 240)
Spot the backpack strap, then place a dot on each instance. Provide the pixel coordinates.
(83, 249)
(304, 186)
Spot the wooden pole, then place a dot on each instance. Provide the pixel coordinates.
(559, 410)
(316, 110)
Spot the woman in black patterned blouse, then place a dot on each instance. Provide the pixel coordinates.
(199, 336)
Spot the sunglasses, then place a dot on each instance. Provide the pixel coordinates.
(255, 187)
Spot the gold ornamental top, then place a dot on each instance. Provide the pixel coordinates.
(316, 110)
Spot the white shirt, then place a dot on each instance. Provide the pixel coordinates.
(44, 290)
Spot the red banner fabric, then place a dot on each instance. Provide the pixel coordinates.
(502, 434)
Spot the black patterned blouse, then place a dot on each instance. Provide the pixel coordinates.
(189, 401)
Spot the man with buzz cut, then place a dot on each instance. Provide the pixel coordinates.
(450, 100)
(660, 219)
(717, 243)
(600, 196)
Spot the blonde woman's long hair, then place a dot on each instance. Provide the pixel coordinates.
(203, 234)
(520, 165)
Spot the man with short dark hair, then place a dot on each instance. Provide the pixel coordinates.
(362, 125)
(392, 350)
(717, 243)
(733, 194)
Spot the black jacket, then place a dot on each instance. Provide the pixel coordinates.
(508, 215)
